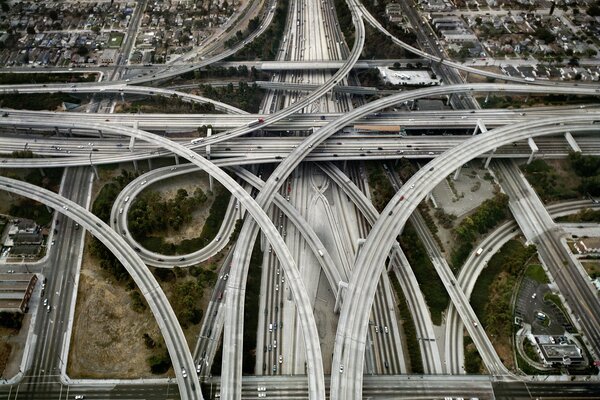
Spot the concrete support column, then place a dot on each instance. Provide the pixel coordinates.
(131, 143)
(42, 173)
(176, 159)
(489, 159)
(95, 169)
(49, 209)
(149, 164)
(70, 132)
(135, 165)
(457, 173)
(487, 97)
(100, 133)
(342, 286)
(574, 146)
(534, 150)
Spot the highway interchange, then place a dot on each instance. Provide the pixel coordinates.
(355, 280)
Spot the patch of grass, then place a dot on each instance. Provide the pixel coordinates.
(251, 309)
(473, 361)
(494, 288)
(49, 101)
(431, 285)
(410, 332)
(537, 273)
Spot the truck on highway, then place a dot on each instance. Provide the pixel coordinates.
(256, 122)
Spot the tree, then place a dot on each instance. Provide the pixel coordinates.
(83, 50)
(31, 30)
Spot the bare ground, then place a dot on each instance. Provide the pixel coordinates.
(107, 339)
(107, 334)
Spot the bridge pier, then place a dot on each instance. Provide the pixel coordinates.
(457, 173)
(42, 173)
(176, 159)
(135, 166)
(489, 159)
(99, 133)
(479, 127)
(149, 164)
(131, 143)
(574, 146)
(95, 170)
(342, 286)
(487, 98)
(534, 150)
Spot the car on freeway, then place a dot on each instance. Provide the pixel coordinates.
(341, 369)
(280, 359)
(79, 397)
(183, 372)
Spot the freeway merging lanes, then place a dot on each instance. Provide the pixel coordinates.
(155, 297)
(349, 351)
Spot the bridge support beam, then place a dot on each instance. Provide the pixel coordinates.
(95, 170)
(131, 143)
(457, 173)
(574, 146)
(149, 164)
(176, 159)
(99, 133)
(489, 159)
(480, 127)
(42, 173)
(534, 149)
(339, 297)
(135, 166)
(487, 98)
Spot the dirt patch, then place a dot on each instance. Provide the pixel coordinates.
(107, 339)
(473, 78)
(6, 347)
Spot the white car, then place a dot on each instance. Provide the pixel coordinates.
(79, 397)
(183, 372)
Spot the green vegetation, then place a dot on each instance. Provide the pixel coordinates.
(115, 39)
(380, 46)
(381, 188)
(345, 19)
(251, 309)
(486, 217)
(11, 320)
(537, 273)
(138, 304)
(149, 213)
(266, 46)
(432, 287)
(527, 368)
(185, 301)
(159, 362)
(473, 361)
(49, 101)
(377, 8)
(161, 104)
(247, 97)
(23, 207)
(546, 181)
(105, 199)
(588, 168)
(445, 219)
(553, 298)
(14, 79)
(494, 288)
(210, 229)
(587, 215)
(530, 350)
(410, 332)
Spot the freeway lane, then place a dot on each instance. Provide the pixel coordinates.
(155, 297)
(353, 320)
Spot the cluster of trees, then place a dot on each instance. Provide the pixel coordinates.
(150, 213)
(266, 46)
(212, 71)
(587, 215)
(486, 217)
(11, 320)
(593, 9)
(410, 332)
(239, 35)
(12, 78)
(109, 192)
(493, 290)
(433, 289)
(382, 189)
(546, 181)
(185, 301)
(209, 230)
(588, 168)
(251, 309)
(173, 104)
(49, 101)
(244, 96)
